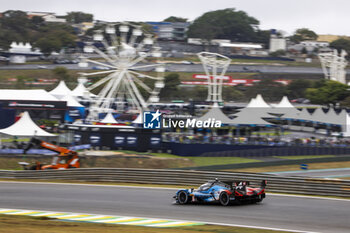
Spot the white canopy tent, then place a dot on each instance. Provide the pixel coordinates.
(216, 113)
(61, 90)
(284, 103)
(260, 102)
(139, 119)
(342, 117)
(256, 109)
(319, 116)
(333, 117)
(346, 126)
(249, 118)
(284, 107)
(25, 127)
(71, 101)
(304, 115)
(35, 94)
(109, 119)
(81, 91)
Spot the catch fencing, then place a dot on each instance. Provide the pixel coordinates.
(296, 185)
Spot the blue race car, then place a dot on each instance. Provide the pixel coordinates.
(223, 192)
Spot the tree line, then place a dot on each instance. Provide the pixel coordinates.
(323, 92)
(48, 37)
(227, 23)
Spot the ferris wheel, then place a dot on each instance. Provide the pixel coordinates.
(123, 46)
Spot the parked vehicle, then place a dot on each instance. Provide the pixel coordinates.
(64, 160)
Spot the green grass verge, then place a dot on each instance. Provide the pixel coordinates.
(208, 161)
(12, 224)
(294, 167)
(18, 140)
(200, 161)
(304, 156)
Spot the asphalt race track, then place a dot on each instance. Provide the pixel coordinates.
(276, 211)
(188, 68)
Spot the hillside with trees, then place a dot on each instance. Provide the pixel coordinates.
(49, 37)
(228, 24)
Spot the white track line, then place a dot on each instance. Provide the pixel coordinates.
(161, 188)
(176, 221)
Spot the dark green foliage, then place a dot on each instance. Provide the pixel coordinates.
(340, 44)
(231, 94)
(271, 90)
(278, 53)
(172, 81)
(16, 26)
(296, 89)
(61, 73)
(225, 24)
(79, 17)
(302, 34)
(175, 19)
(330, 92)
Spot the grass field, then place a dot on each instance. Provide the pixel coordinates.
(326, 165)
(208, 161)
(195, 59)
(158, 160)
(48, 74)
(32, 74)
(304, 156)
(14, 224)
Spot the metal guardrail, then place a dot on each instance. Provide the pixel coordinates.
(297, 185)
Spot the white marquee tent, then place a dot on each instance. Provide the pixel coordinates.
(284, 103)
(139, 119)
(35, 94)
(61, 90)
(81, 91)
(109, 119)
(216, 113)
(71, 101)
(256, 109)
(25, 127)
(285, 108)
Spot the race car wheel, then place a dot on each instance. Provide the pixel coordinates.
(182, 197)
(259, 198)
(224, 198)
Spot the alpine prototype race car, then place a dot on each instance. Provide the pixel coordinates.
(222, 192)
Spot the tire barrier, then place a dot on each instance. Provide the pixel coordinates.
(295, 185)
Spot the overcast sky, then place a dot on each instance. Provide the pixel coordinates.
(322, 16)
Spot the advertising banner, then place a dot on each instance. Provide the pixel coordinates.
(131, 141)
(95, 139)
(119, 140)
(74, 113)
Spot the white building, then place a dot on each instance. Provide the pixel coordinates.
(19, 51)
(53, 19)
(46, 16)
(277, 43)
(315, 44)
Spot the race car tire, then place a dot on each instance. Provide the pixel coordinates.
(182, 198)
(259, 198)
(224, 198)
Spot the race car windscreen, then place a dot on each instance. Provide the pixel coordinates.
(204, 187)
